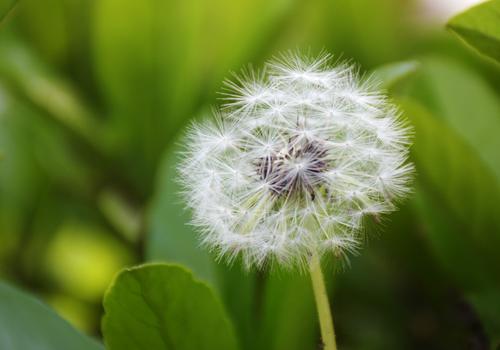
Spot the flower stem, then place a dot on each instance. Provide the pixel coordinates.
(322, 304)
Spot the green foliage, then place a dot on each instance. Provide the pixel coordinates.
(163, 307)
(27, 324)
(5, 7)
(392, 74)
(458, 177)
(464, 101)
(479, 28)
(170, 237)
(288, 313)
(93, 98)
(459, 210)
(165, 67)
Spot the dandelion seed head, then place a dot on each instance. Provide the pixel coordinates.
(298, 155)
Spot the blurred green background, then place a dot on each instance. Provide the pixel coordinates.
(93, 98)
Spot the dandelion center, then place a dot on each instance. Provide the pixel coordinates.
(296, 169)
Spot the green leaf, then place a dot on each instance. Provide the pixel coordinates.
(460, 195)
(28, 324)
(49, 32)
(480, 28)
(28, 177)
(161, 306)
(456, 152)
(457, 199)
(464, 257)
(241, 292)
(29, 79)
(288, 318)
(59, 32)
(170, 237)
(5, 7)
(464, 101)
(392, 74)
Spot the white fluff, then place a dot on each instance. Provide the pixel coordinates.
(298, 155)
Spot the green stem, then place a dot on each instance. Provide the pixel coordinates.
(322, 304)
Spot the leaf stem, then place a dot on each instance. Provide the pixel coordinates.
(322, 304)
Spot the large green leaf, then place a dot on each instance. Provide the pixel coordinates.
(160, 307)
(457, 199)
(464, 101)
(287, 316)
(469, 260)
(480, 28)
(241, 291)
(27, 324)
(170, 236)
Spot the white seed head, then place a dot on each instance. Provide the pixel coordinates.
(296, 158)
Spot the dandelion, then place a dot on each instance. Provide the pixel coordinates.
(292, 164)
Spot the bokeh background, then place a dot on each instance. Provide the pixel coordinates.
(94, 95)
